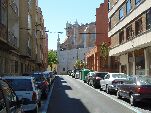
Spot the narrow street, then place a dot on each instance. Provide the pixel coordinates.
(71, 95)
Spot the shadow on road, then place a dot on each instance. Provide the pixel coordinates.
(60, 102)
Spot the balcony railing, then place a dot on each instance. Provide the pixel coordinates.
(14, 6)
(3, 32)
(12, 39)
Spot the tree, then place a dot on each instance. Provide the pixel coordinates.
(79, 64)
(52, 58)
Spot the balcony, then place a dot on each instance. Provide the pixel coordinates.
(13, 6)
(12, 40)
(140, 41)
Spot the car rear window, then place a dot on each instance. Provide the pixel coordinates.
(20, 84)
(102, 75)
(145, 80)
(119, 75)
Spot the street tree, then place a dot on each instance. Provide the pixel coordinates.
(52, 58)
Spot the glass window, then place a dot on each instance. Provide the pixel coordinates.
(109, 5)
(121, 14)
(138, 27)
(20, 84)
(119, 75)
(148, 19)
(144, 80)
(128, 6)
(137, 2)
(129, 33)
(121, 37)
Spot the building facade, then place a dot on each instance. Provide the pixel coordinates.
(95, 58)
(129, 30)
(74, 48)
(18, 37)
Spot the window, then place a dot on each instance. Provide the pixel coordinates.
(128, 6)
(109, 24)
(121, 37)
(16, 66)
(148, 19)
(137, 2)
(129, 33)
(138, 27)
(121, 14)
(109, 5)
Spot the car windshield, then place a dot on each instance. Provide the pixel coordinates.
(100, 74)
(144, 80)
(119, 75)
(20, 84)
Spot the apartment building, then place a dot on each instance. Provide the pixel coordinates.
(95, 58)
(129, 30)
(18, 37)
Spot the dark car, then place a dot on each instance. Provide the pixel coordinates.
(94, 80)
(49, 75)
(9, 102)
(42, 83)
(136, 88)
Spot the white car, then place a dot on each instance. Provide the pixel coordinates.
(111, 80)
(25, 89)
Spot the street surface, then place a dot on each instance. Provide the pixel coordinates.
(71, 95)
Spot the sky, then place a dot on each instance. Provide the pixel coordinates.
(56, 13)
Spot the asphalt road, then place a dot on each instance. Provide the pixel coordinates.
(71, 95)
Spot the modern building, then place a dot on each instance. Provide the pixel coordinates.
(96, 60)
(129, 30)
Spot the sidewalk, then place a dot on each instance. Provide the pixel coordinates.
(45, 103)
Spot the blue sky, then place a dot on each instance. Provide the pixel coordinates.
(57, 12)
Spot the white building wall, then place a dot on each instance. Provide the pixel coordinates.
(67, 58)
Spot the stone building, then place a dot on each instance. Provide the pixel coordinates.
(19, 45)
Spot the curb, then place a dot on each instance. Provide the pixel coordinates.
(46, 103)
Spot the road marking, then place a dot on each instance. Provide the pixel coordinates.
(129, 107)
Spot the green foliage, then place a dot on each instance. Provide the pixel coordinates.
(104, 49)
(79, 64)
(52, 58)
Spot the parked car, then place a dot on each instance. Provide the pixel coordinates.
(77, 73)
(41, 83)
(25, 89)
(111, 80)
(49, 76)
(87, 78)
(135, 88)
(94, 80)
(9, 102)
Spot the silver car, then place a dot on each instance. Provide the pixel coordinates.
(111, 80)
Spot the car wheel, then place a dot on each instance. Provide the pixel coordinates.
(107, 89)
(118, 95)
(39, 103)
(35, 110)
(132, 100)
(100, 88)
(90, 83)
